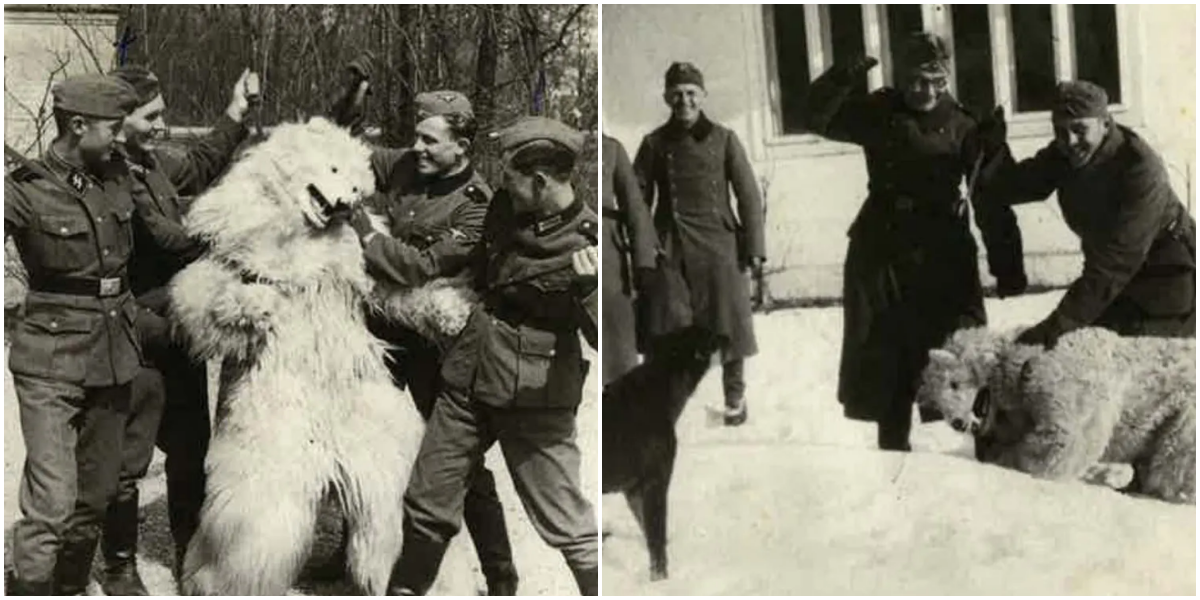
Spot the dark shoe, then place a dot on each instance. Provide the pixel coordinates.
(503, 585)
(73, 570)
(417, 568)
(736, 415)
(588, 581)
(122, 579)
(120, 549)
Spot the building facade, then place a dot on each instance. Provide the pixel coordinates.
(759, 59)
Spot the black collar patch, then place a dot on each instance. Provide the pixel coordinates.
(77, 181)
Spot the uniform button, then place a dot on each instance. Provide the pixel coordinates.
(412, 213)
(552, 352)
(112, 313)
(62, 229)
(53, 324)
(106, 252)
(99, 219)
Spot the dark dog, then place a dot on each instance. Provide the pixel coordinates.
(639, 414)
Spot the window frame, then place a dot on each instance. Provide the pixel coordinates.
(936, 18)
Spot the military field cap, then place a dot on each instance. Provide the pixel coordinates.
(927, 53)
(684, 72)
(530, 129)
(443, 103)
(98, 96)
(143, 81)
(1080, 99)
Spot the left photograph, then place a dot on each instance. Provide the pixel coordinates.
(301, 299)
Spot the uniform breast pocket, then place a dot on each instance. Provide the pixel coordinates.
(63, 243)
(50, 344)
(535, 357)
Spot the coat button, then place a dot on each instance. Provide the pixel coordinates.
(62, 230)
(53, 324)
(106, 252)
(112, 313)
(99, 219)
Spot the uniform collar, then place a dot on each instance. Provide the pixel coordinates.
(699, 130)
(445, 185)
(548, 224)
(76, 177)
(139, 157)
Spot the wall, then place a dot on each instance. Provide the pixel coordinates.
(36, 44)
(815, 190)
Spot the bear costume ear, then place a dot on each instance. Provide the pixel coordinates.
(942, 356)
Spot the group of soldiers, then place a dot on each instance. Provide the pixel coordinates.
(911, 276)
(100, 379)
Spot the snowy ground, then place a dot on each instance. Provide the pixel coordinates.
(798, 501)
(542, 569)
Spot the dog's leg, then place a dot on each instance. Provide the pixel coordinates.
(259, 514)
(648, 501)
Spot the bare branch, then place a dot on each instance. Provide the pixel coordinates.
(560, 42)
(82, 40)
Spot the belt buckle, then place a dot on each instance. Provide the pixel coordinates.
(110, 286)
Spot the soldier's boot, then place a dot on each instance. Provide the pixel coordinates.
(121, 576)
(417, 568)
(73, 570)
(18, 587)
(736, 412)
(588, 580)
(733, 379)
(484, 517)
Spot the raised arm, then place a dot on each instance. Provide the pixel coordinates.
(832, 108)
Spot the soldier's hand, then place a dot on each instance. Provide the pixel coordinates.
(362, 68)
(1043, 334)
(849, 72)
(585, 261)
(360, 220)
(245, 90)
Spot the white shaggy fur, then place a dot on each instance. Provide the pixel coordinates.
(306, 402)
(1095, 397)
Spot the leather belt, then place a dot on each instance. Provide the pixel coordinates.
(516, 317)
(102, 287)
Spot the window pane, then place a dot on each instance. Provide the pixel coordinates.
(1033, 45)
(791, 62)
(846, 29)
(973, 57)
(1096, 47)
(902, 21)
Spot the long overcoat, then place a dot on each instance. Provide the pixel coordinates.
(686, 175)
(911, 275)
(629, 242)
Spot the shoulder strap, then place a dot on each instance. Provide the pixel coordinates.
(39, 170)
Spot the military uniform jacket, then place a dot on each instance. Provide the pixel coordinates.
(434, 222)
(159, 180)
(83, 232)
(628, 241)
(1138, 240)
(686, 175)
(911, 275)
(521, 347)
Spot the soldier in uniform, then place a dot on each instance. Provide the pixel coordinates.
(515, 374)
(1138, 240)
(76, 352)
(173, 389)
(630, 254)
(434, 202)
(689, 165)
(911, 276)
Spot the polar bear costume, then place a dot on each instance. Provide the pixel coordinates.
(1095, 397)
(306, 403)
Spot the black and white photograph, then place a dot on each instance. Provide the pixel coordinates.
(301, 299)
(898, 299)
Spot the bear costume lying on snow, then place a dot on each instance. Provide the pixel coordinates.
(1095, 397)
(306, 402)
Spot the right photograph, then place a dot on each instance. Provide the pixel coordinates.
(898, 299)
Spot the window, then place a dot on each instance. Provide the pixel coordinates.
(1012, 55)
